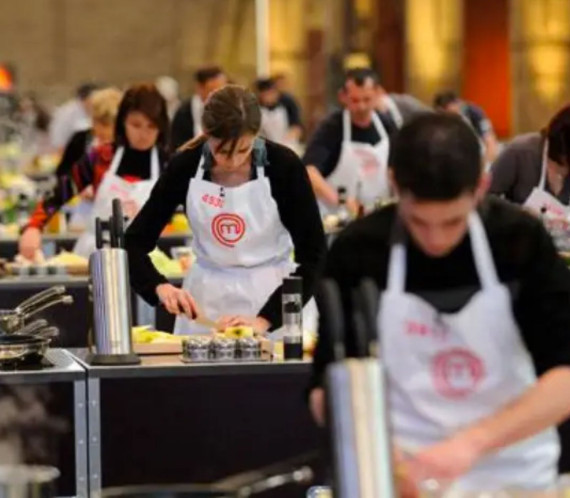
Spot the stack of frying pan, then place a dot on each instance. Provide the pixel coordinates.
(24, 339)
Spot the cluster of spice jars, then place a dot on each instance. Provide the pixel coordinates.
(205, 349)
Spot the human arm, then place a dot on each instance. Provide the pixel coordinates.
(143, 233)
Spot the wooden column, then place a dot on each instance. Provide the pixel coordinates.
(486, 60)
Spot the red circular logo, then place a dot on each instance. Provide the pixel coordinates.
(457, 373)
(228, 229)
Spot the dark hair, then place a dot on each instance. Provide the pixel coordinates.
(85, 90)
(558, 134)
(229, 113)
(443, 99)
(360, 76)
(147, 99)
(264, 84)
(206, 73)
(436, 157)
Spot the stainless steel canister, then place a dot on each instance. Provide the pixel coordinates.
(224, 349)
(196, 349)
(111, 301)
(248, 348)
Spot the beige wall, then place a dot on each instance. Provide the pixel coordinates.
(540, 55)
(56, 44)
(433, 46)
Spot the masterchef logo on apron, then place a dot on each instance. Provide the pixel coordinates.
(457, 373)
(228, 229)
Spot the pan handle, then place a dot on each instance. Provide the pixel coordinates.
(56, 290)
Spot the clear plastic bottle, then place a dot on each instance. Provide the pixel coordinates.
(292, 299)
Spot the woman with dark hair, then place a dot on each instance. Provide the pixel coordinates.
(533, 170)
(250, 204)
(126, 169)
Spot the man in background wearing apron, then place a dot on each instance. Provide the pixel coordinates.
(186, 123)
(473, 318)
(277, 123)
(351, 146)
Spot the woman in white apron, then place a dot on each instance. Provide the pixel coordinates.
(127, 170)
(250, 206)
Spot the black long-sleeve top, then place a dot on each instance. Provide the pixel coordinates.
(525, 258)
(298, 210)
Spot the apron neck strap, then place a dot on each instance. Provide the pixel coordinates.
(346, 126)
(480, 248)
(542, 183)
(154, 164)
(482, 252)
(116, 161)
(379, 126)
(200, 171)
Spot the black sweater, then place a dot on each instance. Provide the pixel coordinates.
(298, 210)
(524, 256)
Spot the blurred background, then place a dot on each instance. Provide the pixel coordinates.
(509, 56)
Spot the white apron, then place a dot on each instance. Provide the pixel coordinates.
(275, 124)
(115, 187)
(539, 198)
(446, 371)
(242, 249)
(197, 108)
(362, 168)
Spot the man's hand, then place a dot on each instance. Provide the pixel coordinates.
(317, 405)
(259, 324)
(447, 460)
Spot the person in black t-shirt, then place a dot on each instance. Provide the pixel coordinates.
(473, 317)
(351, 146)
(187, 122)
(475, 116)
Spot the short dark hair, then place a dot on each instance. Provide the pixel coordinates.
(264, 84)
(85, 90)
(145, 98)
(206, 73)
(359, 76)
(443, 99)
(436, 157)
(558, 135)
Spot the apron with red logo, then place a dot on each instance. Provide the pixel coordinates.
(447, 371)
(242, 249)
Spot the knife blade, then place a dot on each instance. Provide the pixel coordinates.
(206, 322)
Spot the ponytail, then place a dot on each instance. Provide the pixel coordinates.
(193, 143)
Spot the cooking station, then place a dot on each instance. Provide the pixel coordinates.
(165, 421)
(63, 380)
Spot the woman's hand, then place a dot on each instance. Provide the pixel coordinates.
(259, 325)
(30, 243)
(130, 209)
(177, 301)
(317, 406)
